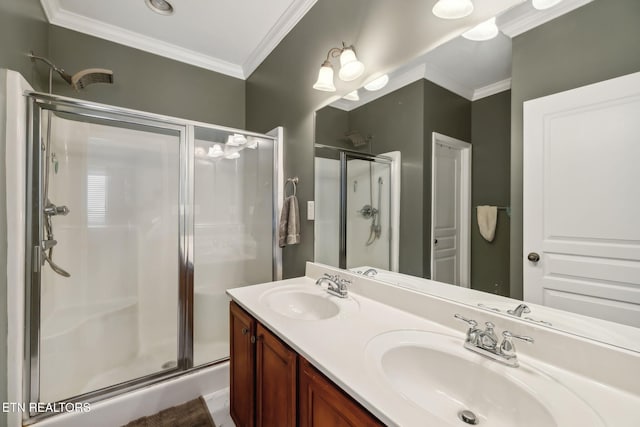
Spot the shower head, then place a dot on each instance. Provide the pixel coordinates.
(84, 78)
(81, 79)
(356, 138)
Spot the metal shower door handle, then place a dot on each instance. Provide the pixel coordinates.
(533, 257)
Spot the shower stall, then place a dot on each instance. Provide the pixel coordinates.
(357, 202)
(151, 218)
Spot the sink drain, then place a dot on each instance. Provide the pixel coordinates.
(468, 417)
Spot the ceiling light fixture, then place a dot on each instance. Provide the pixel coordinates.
(215, 151)
(545, 4)
(483, 31)
(378, 83)
(350, 68)
(352, 96)
(452, 9)
(163, 7)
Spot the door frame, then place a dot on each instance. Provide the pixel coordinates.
(464, 250)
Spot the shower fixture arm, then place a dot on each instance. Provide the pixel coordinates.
(66, 76)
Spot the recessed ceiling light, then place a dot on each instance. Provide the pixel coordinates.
(452, 9)
(545, 4)
(377, 84)
(352, 96)
(163, 7)
(483, 31)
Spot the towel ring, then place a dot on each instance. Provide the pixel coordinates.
(294, 182)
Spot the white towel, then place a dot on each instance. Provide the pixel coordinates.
(289, 230)
(487, 219)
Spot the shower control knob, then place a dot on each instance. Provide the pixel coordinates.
(53, 210)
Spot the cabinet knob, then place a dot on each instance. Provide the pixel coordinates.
(254, 339)
(245, 331)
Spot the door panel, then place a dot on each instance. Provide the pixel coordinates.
(242, 366)
(581, 207)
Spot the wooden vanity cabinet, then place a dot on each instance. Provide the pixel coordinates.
(263, 374)
(322, 404)
(242, 331)
(272, 386)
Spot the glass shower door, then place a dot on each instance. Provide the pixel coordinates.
(116, 317)
(367, 198)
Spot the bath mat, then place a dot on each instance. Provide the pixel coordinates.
(194, 413)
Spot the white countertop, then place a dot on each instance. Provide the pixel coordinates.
(336, 347)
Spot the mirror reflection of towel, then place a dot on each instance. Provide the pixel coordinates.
(487, 219)
(289, 229)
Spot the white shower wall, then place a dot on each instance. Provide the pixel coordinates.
(327, 211)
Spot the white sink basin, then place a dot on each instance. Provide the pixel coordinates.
(306, 302)
(434, 372)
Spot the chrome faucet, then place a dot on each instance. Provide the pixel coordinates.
(485, 342)
(370, 272)
(522, 308)
(335, 284)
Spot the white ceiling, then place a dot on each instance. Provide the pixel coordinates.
(227, 36)
(468, 68)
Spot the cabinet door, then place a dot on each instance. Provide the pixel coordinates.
(242, 366)
(323, 404)
(276, 366)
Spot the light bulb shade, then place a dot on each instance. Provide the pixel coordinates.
(325, 79)
(377, 84)
(215, 151)
(544, 4)
(352, 96)
(483, 31)
(350, 67)
(452, 9)
(232, 156)
(239, 139)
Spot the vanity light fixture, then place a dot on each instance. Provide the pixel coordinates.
(378, 83)
(163, 7)
(236, 140)
(215, 151)
(232, 156)
(452, 9)
(350, 68)
(352, 96)
(544, 4)
(483, 31)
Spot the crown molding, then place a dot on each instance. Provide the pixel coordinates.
(60, 17)
(283, 26)
(435, 75)
(491, 89)
(525, 17)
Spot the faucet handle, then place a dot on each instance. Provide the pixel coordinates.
(489, 326)
(509, 335)
(507, 348)
(344, 282)
(472, 323)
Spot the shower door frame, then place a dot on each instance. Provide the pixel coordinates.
(345, 156)
(36, 104)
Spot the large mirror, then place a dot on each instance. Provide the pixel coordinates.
(424, 177)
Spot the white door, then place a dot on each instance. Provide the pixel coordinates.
(450, 210)
(582, 200)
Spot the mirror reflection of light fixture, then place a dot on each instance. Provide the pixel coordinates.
(350, 68)
(545, 4)
(452, 9)
(232, 156)
(483, 31)
(352, 96)
(215, 151)
(378, 83)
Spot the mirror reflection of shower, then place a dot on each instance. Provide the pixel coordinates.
(78, 81)
(369, 212)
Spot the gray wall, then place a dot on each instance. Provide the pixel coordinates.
(596, 42)
(148, 82)
(394, 122)
(490, 133)
(23, 27)
(331, 126)
(448, 114)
